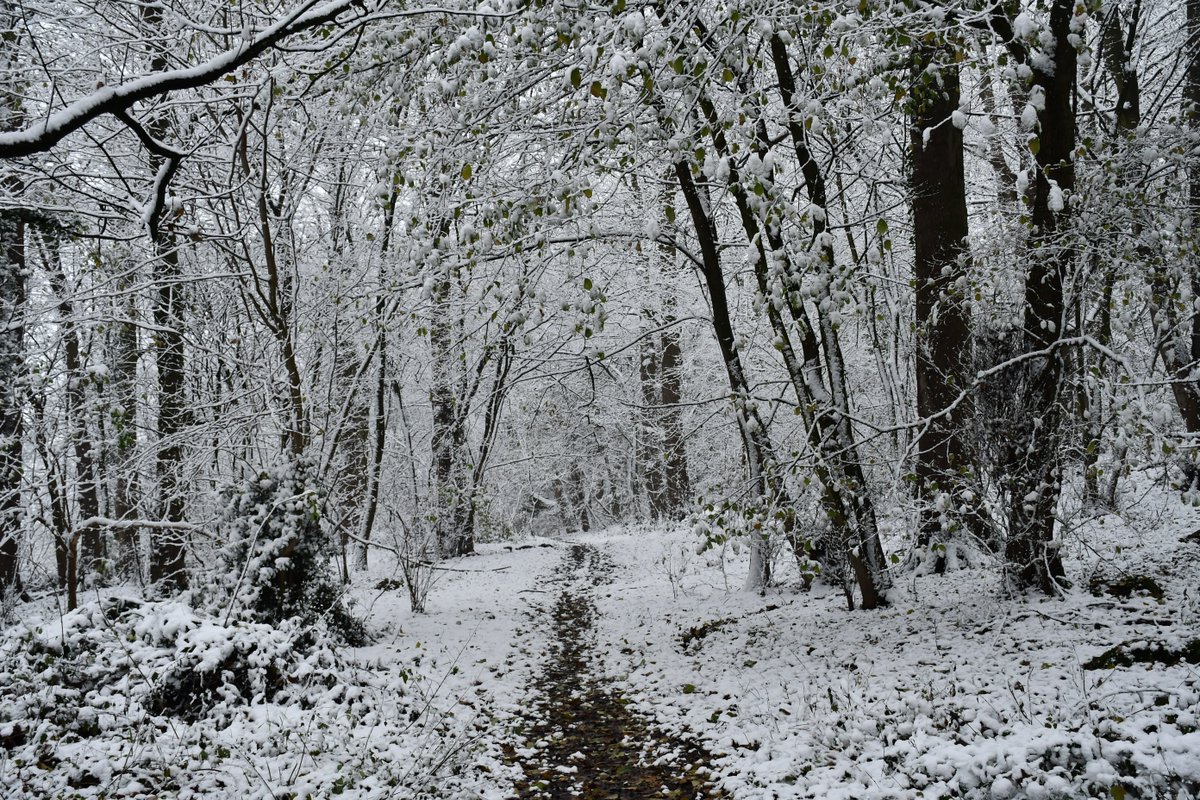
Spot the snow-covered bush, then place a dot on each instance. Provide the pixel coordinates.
(276, 553)
(123, 698)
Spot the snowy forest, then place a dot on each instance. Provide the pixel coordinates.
(554, 399)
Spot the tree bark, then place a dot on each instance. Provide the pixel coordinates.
(123, 384)
(941, 262)
(12, 379)
(760, 457)
(1035, 478)
(846, 498)
(167, 548)
(86, 551)
(12, 327)
(449, 435)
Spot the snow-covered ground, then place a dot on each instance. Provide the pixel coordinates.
(951, 691)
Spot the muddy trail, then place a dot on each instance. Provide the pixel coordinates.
(583, 741)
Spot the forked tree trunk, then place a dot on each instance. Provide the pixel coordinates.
(760, 457)
(846, 497)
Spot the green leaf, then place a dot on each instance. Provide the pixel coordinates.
(576, 77)
(882, 227)
(1117, 791)
(689, 688)
(599, 91)
(466, 172)
(587, 284)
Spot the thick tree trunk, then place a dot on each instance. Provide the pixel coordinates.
(943, 326)
(1035, 478)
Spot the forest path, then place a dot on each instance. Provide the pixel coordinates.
(583, 739)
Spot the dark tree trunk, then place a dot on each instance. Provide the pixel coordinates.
(943, 326)
(1180, 348)
(167, 565)
(449, 435)
(12, 327)
(1035, 478)
(12, 379)
(378, 439)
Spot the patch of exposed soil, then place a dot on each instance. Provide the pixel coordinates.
(584, 741)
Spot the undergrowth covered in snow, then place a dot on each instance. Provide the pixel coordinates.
(954, 690)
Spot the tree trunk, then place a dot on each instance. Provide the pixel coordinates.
(943, 327)
(650, 447)
(12, 326)
(167, 546)
(87, 552)
(123, 383)
(847, 500)
(12, 379)
(677, 487)
(760, 457)
(1035, 478)
(449, 435)
(1180, 347)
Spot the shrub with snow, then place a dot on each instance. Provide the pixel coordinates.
(276, 556)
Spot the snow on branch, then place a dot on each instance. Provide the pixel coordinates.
(49, 131)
